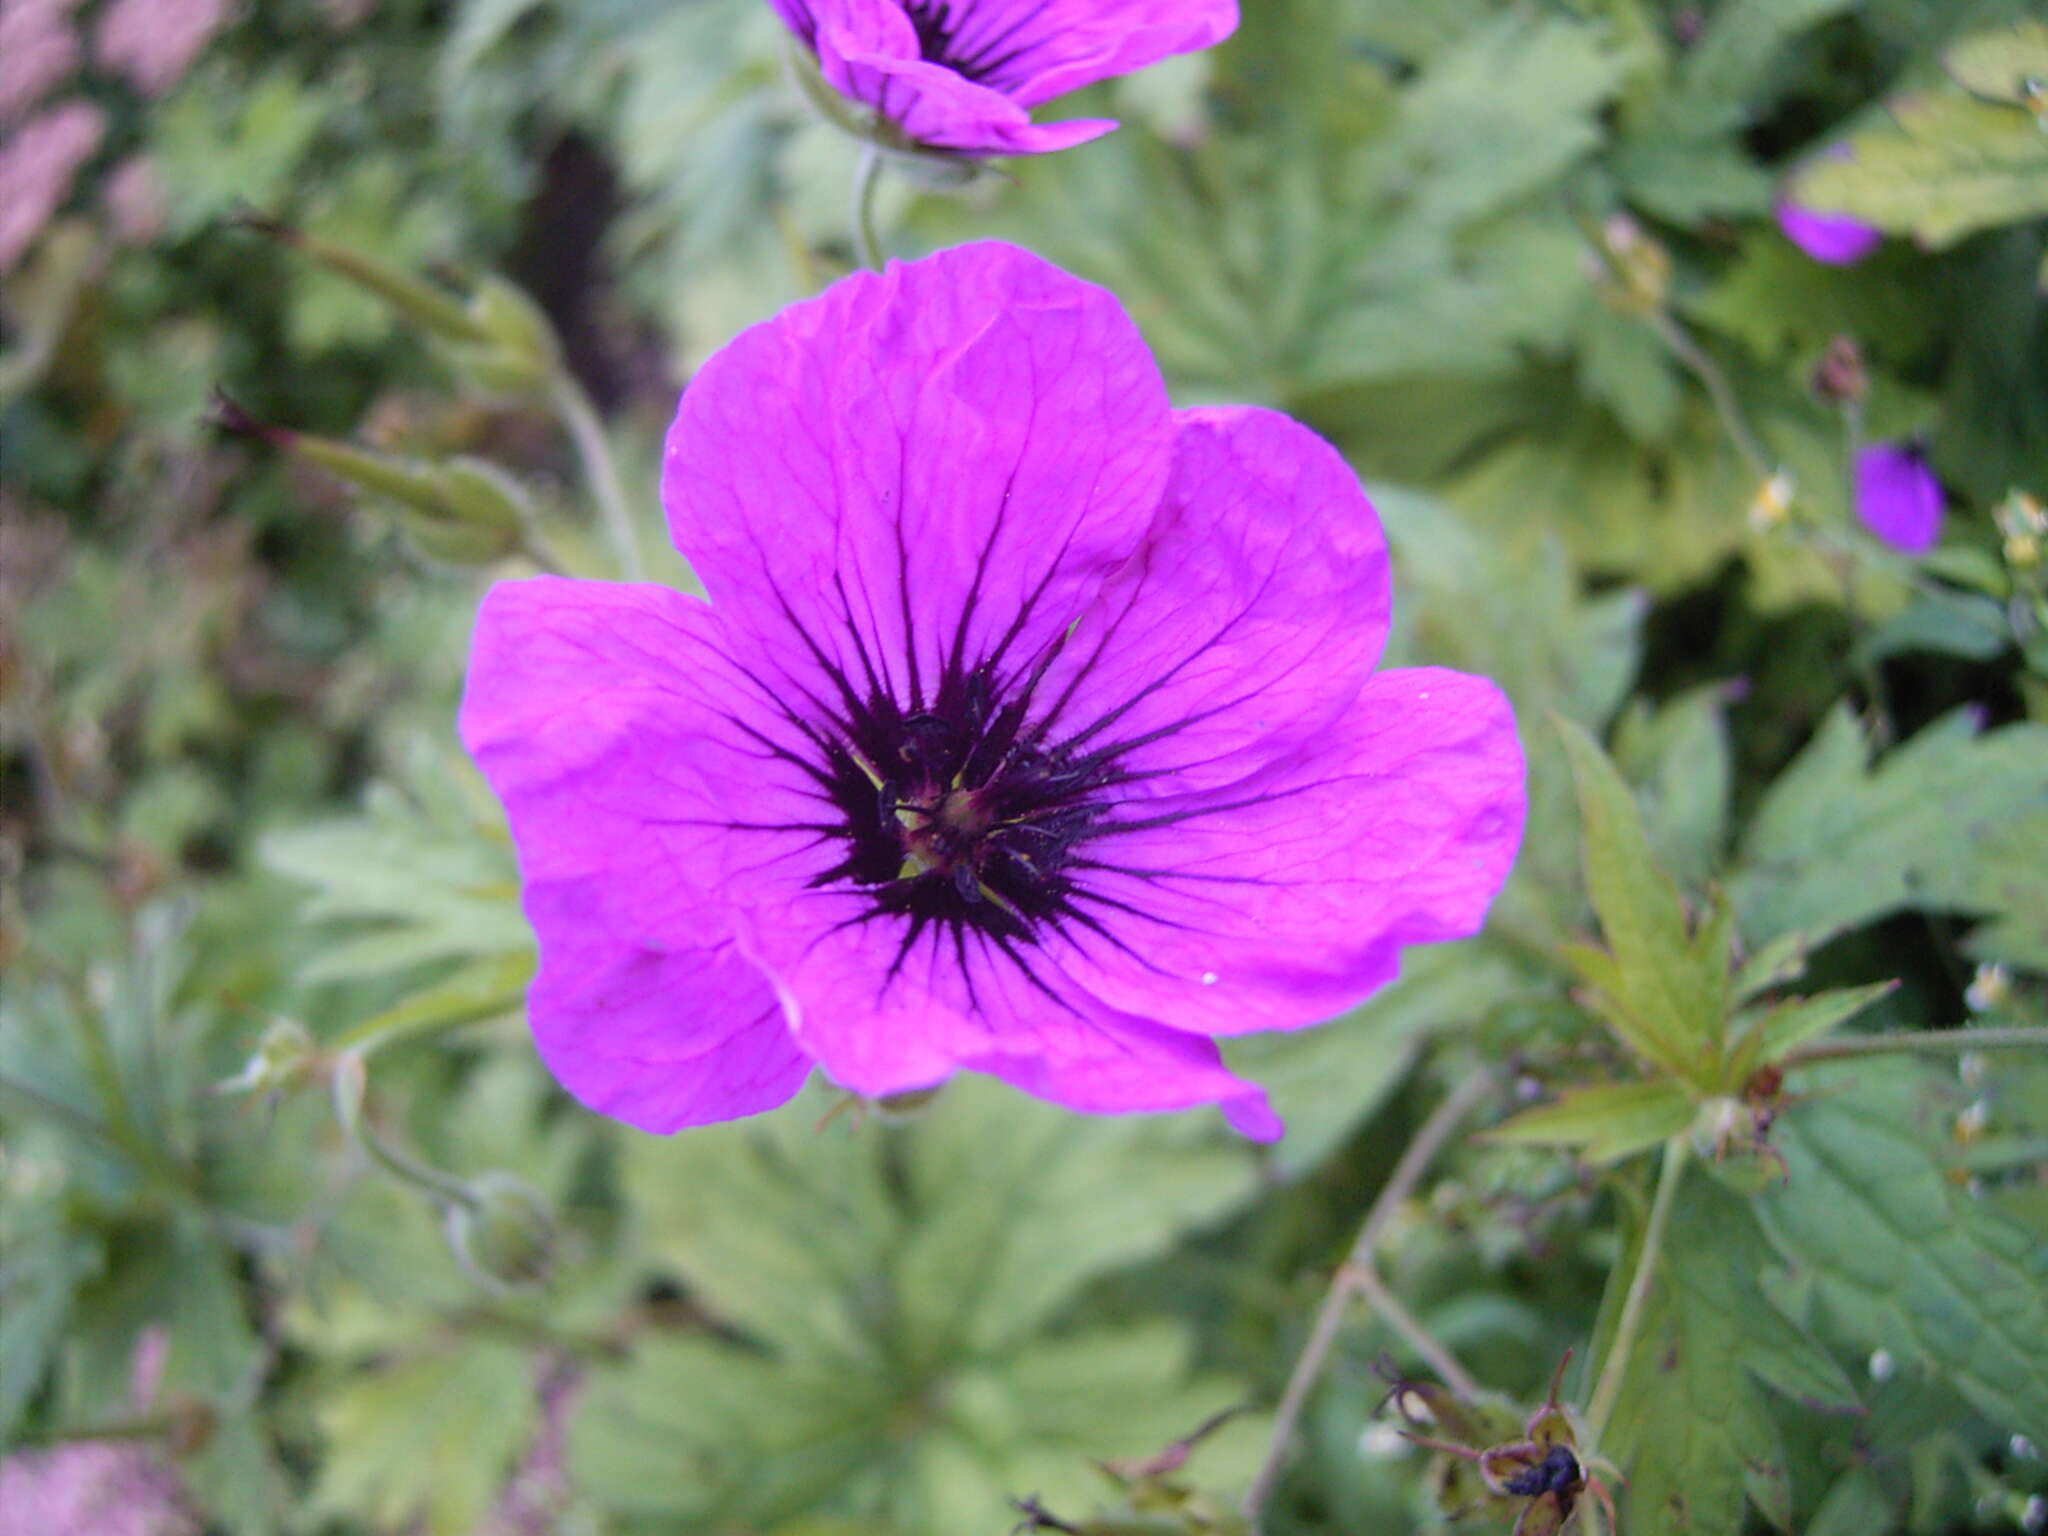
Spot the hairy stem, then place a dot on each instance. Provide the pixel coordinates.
(577, 414)
(1616, 1364)
(1929, 1040)
(865, 178)
(1358, 1277)
(1715, 382)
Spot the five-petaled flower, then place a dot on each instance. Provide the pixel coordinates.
(1031, 728)
(960, 76)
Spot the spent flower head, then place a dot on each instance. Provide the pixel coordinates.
(960, 77)
(1031, 728)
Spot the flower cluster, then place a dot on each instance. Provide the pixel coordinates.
(1031, 728)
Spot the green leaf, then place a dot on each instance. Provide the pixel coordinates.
(2001, 65)
(1802, 1019)
(1682, 767)
(42, 1263)
(429, 1438)
(900, 1278)
(1325, 1081)
(1940, 167)
(411, 882)
(1667, 990)
(1836, 843)
(1691, 1429)
(1607, 1123)
(1906, 1257)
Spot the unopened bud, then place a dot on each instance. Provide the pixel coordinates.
(498, 337)
(518, 350)
(1840, 378)
(504, 1235)
(1772, 503)
(440, 312)
(463, 512)
(483, 514)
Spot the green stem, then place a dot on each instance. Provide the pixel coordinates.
(1932, 1040)
(1715, 382)
(349, 1089)
(1359, 1277)
(579, 416)
(865, 177)
(1616, 1365)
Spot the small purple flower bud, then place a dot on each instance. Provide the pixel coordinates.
(1840, 377)
(1898, 497)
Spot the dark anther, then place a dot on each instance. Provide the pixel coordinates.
(1558, 1472)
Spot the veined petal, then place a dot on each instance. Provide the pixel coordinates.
(1249, 620)
(941, 109)
(627, 748)
(934, 465)
(1034, 50)
(884, 1010)
(658, 1038)
(1283, 898)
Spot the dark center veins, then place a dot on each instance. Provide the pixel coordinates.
(957, 815)
(939, 40)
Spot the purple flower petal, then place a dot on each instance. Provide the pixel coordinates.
(961, 450)
(1031, 729)
(1833, 238)
(1287, 897)
(959, 76)
(1247, 623)
(589, 706)
(1898, 497)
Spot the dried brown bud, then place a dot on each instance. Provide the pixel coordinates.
(1840, 377)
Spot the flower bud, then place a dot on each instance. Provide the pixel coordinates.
(463, 512)
(504, 1236)
(499, 338)
(518, 350)
(1840, 377)
(422, 302)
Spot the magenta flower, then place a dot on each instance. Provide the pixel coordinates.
(1898, 497)
(960, 76)
(1834, 239)
(1031, 728)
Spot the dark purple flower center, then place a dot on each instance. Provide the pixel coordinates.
(943, 37)
(1558, 1473)
(955, 814)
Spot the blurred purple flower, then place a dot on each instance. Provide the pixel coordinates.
(153, 42)
(1031, 728)
(99, 1487)
(1898, 497)
(137, 204)
(1834, 239)
(961, 76)
(37, 164)
(37, 49)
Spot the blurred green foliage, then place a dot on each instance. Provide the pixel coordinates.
(285, 1197)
